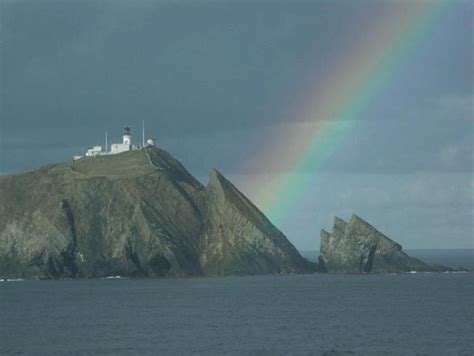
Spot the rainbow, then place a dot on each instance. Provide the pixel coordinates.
(329, 112)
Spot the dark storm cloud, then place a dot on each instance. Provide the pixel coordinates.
(210, 78)
(189, 65)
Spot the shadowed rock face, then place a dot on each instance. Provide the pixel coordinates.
(139, 213)
(239, 239)
(358, 247)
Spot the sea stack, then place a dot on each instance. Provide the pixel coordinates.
(358, 247)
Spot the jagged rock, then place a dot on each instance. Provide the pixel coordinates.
(358, 247)
(138, 213)
(239, 239)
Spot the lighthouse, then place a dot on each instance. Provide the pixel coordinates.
(126, 144)
(116, 148)
(127, 136)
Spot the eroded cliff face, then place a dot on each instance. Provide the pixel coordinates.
(139, 213)
(239, 239)
(358, 247)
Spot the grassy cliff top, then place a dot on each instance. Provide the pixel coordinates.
(122, 166)
(126, 164)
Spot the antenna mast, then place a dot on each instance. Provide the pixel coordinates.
(105, 141)
(143, 133)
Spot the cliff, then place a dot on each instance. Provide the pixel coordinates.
(238, 239)
(138, 213)
(358, 247)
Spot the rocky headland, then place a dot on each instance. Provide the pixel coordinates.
(139, 214)
(142, 214)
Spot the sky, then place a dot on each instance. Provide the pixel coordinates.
(227, 84)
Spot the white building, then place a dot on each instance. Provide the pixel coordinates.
(116, 148)
(126, 144)
(150, 142)
(94, 151)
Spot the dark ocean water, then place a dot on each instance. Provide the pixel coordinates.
(405, 314)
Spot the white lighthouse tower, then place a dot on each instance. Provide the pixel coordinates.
(127, 136)
(126, 144)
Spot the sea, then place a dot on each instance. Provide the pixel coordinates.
(312, 314)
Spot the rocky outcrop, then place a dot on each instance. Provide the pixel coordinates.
(138, 213)
(239, 239)
(358, 247)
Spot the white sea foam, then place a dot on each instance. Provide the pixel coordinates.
(114, 277)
